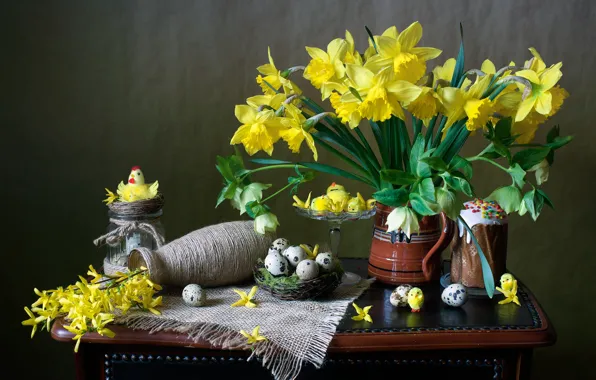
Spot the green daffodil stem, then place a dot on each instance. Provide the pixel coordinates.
(279, 191)
(271, 167)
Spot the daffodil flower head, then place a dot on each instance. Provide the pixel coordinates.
(259, 130)
(296, 131)
(273, 81)
(246, 299)
(326, 65)
(541, 96)
(362, 313)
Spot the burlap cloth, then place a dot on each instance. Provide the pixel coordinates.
(297, 331)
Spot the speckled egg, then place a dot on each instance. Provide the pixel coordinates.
(295, 254)
(194, 295)
(276, 264)
(273, 249)
(307, 269)
(281, 244)
(399, 297)
(455, 295)
(325, 261)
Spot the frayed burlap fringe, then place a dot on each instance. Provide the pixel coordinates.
(297, 331)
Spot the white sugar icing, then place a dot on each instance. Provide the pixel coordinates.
(480, 212)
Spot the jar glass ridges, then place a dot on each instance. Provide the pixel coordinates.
(117, 254)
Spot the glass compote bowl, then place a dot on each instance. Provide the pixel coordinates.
(334, 220)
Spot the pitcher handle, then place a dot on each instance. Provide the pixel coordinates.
(428, 265)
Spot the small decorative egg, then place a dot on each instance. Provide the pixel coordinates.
(276, 264)
(455, 295)
(307, 270)
(281, 244)
(399, 297)
(326, 261)
(295, 254)
(273, 249)
(194, 295)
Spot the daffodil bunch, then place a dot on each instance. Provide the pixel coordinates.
(420, 118)
(89, 306)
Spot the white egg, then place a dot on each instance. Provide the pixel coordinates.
(276, 264)
(455, 295)
(281, 244)
(326, 261)
(307, 270)
(194, 295)
(399, 297)
(295, 254)
(273, 249)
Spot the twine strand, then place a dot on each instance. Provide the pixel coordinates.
(128, 226)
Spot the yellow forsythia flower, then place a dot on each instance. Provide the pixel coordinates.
(362, 313)
(253, 337)
(246, 299)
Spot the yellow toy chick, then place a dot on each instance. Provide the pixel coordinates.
(358, 203)
(337, 193)
(136, 189)
(321, 203)
(299, 203)
(509, 289)
(415, 299)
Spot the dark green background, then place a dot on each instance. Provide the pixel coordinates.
(90, 88)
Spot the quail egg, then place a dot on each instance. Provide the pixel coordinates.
(194, 295)
(295, 254)
(281, 244)
(276, 264)
(455, 295)
(399, 297)
(326, 261)
(307, 270)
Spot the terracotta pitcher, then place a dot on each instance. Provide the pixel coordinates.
(395, 259)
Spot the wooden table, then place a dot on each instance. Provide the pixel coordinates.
(481, 340)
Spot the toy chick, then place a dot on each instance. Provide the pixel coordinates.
(509, 289)
(415, 299)
(136, 189)
(358, 203)
(337, 193)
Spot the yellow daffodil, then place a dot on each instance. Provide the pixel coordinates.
(362, 313)
(458, 103)
(259, 130)
(253, 337)
(399, 51)
(541, 96)
(297, 131)
(444, 73)
(273, 101)
(402, 218)
(380, 93)
(312, 254)
(266, 223)
(299, 203)
(425, 106)
(246, 299)
(536, 63)
(111, 197)
(273, 80)
(352, 56)
(347, 109)
(326, 65)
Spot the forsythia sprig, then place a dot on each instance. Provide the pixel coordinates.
(89, 306)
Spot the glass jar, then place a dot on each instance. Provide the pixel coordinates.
(117, 253)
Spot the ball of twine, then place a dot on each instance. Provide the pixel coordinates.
(217, 255)
(146, 206)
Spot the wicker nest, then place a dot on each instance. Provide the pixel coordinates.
(147, 206)
(291, 288)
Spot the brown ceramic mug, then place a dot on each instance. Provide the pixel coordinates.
(396, 259)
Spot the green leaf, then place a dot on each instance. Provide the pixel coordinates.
(254, 209)
(435, 163)
(397, 177)
(508, 197)
(559, 142)
(334, 171)
(372, 38)
(529, 157)
(503, 131)
(458, 162)
(226, 193)
(553, 134)
(455, 181)
(545, 198)
(392, 197)
(380, 142)
(448, 202)
(269, 161)
(517, 174)
(502, 150)
(421, 206)
(487, 273)
(404, 141)
(223, 166)
(458, 72)
(355, 93)
(426, 188)
(416, 153)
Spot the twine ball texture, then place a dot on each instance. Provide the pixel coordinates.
(325, 261)
(280, 244)
(295, 254)
(194, 295)
(455, 295)
(276, 264)
(307, 269)
(399, 297)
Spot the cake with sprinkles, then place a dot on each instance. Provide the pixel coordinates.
(489, 223)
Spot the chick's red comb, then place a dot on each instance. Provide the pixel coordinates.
(333, 184)
(136, 168)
